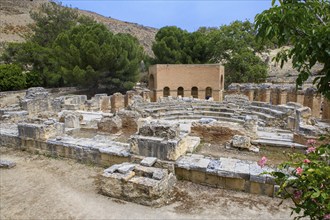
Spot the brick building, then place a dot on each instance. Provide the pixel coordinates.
(187, 80)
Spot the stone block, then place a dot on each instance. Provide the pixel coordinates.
(148, 161)
(212, 180)
(235, 184)
(241, 141)
(227, 168)
(129, 120)
(125, 168)
(72, 121)
(105, 103)
(42, 131)
(268, 189)
(160, 129)
(197, 176)
(110, 124)
(182, 174)
(117, 102)
(145, 185)
(164, 149)
(200, 164)
(242, 169)
(256, 188)
(7, 164)
(213, 167)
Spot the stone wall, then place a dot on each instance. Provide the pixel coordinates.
(199, 81)
(279, 94)
(225, 173)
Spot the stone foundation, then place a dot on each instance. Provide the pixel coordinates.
(161, 140)
(136, 183)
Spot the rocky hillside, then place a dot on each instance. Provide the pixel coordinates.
(14, 18)
(287, 74)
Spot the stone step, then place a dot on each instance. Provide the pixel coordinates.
(277, 143)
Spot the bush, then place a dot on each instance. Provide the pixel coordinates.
(307, 181)
(33, 79)
(11, 77)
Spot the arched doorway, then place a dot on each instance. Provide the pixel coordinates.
(181, 91)
(221, 81)
(194, 92)
(166, 91)
(208, 92)
(151, 82)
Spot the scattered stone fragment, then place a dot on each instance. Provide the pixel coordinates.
(148, 161)
(125, 168)
(241, 141)
(7, 164)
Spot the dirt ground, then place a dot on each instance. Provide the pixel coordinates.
(275, 155)
(40, 187)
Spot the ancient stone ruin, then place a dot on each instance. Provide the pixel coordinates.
(147, 145)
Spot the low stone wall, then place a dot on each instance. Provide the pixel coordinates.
(225, 173)
(83, 150)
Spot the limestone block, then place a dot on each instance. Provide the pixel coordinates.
(148, 161)
(125, 168)
(213, 166)
(36, 100)
(117, 102)
(251, 123)
(44, 131)
(235, 184)
(110, 124)
(164, 149)
(129, 120)
(145, 185)
(7, 164)
(207, 120)
(161, 130)
(129, 98)
(241, 141)
(71, 121)
(304, 112)
(227, 167)
(105, 103)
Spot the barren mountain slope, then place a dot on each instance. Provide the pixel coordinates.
(14, 18)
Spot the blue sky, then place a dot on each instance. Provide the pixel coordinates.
(186, 14)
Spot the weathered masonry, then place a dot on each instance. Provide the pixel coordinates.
(198, 81)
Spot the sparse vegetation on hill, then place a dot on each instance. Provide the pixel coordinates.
(68, 49)
(15, 19)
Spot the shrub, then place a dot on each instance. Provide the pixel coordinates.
(305, 179)
(11, 77)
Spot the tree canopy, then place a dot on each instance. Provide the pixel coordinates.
(70, 50)
(305, 26)
(233, 45)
